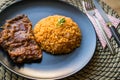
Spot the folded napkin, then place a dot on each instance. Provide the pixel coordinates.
(114, 21)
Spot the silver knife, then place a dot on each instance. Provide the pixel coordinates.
(115, 33)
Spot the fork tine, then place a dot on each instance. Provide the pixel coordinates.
(86, 5)
(89, 4)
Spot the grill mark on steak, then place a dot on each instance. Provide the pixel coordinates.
(18, 40)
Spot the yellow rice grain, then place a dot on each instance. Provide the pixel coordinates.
(57, 39)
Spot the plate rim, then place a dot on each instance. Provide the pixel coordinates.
(60, 77)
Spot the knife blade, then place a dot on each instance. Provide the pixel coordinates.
(115, 33)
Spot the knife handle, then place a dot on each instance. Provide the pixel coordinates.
(115, 34)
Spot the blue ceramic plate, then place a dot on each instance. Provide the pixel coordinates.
(51, 67)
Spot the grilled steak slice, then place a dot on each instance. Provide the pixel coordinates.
(18, 40)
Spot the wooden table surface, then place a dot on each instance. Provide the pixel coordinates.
(114, 4)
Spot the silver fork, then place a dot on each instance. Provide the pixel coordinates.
(90, 9)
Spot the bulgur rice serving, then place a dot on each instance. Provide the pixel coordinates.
(57, 34)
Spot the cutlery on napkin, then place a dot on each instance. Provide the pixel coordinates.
(113, 20)
(115, 33)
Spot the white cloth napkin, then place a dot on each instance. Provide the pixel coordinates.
(114, 21)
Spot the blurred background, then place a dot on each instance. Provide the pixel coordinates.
(114, 4)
